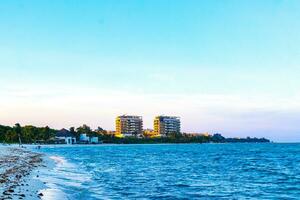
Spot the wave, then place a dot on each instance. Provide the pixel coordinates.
(58, 159)
(63, 179)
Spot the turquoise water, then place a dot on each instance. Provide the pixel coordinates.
(192, 171)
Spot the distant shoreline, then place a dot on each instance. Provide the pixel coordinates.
(45, 135)
(151, 143)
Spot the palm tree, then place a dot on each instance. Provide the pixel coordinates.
(18, 130)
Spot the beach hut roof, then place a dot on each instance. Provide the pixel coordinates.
(64, 133)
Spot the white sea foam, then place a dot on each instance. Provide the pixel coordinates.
(61, 162)
(58, 160)
(64, 174)
(53, 194)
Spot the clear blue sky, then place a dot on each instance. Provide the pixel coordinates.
(223, 66)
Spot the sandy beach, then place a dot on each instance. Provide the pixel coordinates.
(19, 169)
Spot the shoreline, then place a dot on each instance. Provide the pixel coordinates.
(19, 172)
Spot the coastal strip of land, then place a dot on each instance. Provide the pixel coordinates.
(16, 173)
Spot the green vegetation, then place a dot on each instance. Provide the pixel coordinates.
(178, 138)
(30, 134)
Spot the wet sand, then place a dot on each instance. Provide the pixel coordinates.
(19, 168)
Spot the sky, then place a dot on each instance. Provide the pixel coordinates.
(223, 66)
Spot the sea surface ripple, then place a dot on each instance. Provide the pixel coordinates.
(175, 171)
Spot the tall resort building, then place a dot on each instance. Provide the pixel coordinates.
(129, 125)
(165, 125)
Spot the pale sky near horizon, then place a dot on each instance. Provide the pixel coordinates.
(222, 66)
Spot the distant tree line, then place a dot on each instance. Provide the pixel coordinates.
(30, 134)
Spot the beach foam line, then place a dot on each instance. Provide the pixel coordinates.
(58, 159)
(53, 194)
(61, 162)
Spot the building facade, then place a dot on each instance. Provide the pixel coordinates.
(84, 138)
(66, 136)
(166, 125)
(129, 125)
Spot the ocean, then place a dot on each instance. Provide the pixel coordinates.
(173, 171)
